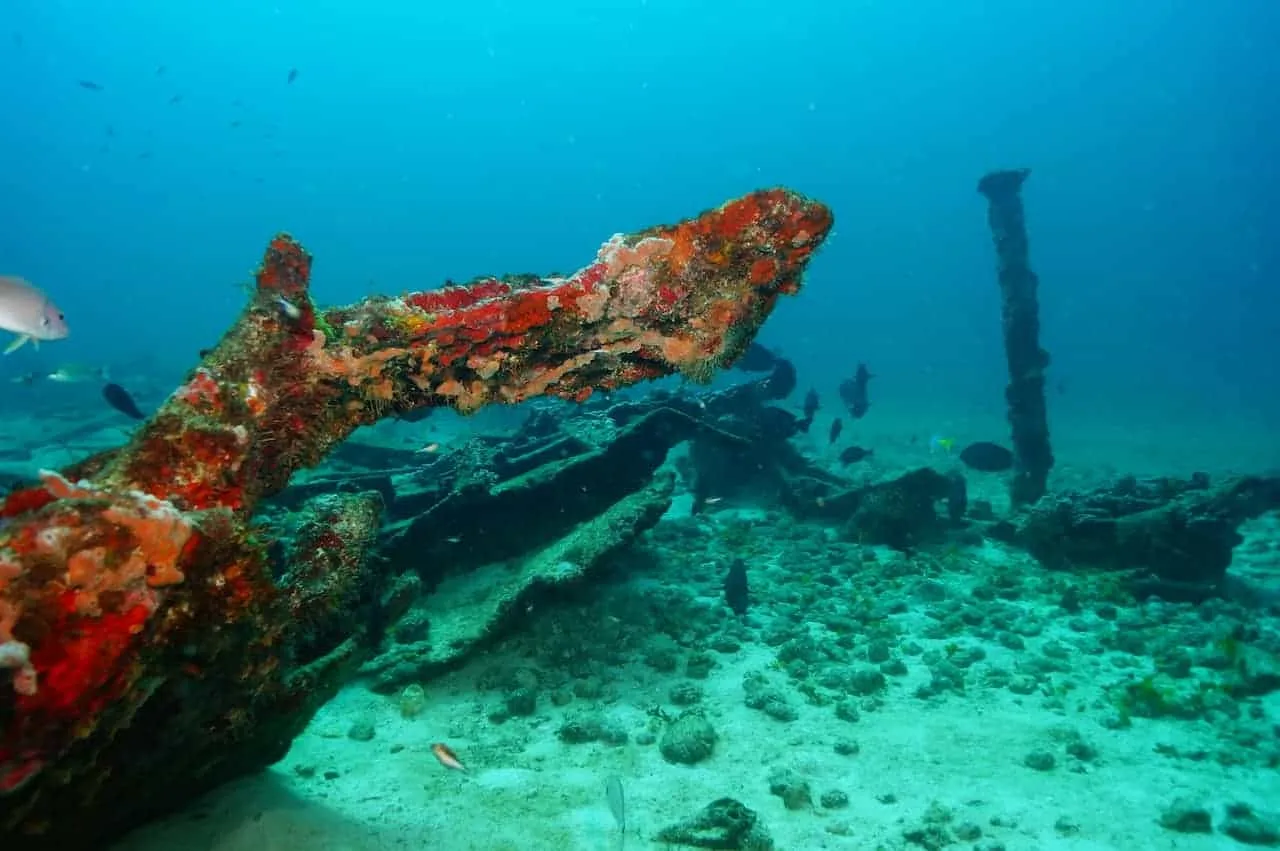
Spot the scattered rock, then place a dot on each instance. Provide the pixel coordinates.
(580, 729)
(724, 823)
(792, 789)
(688, 739)
(866, 681)
(847, 747)
(766, 698)
(685, 694)
(361, 731)
(933, 831)
(1066, 826)
(1245, 825)
(834, 800)
(1186, 815)
(521, 702)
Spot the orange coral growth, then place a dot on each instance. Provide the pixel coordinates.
(201, 392)
(455, 298)
(161, 534)
(685, 245)
(286, 268)
(25, 500)
(79, 674)
(528, 312)
(617, 255)
(734, 219)
(181, 466)
(763, 271)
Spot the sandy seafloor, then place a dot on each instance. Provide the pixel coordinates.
(963, 754)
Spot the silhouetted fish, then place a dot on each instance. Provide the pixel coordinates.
(853, 391)
(781, 381)
(119, 398)
(293, 75)
(756, 359)
(736, 592)
(774, 424)
(90, 85)
(811, 403)
(987, 457)
(854, 454)
(837, 426)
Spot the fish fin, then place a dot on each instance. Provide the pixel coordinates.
(17, 344)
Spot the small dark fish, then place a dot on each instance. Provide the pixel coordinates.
(119, 398)
(837, 426)
(810, 408)
(756, 359)
(293, 75)
(774, 424)
(811, 403)
(160, 69)
(781, 381)
(854, 454)
(853, 391)
(90, 85)
(235, 124)
(736, 592)
(986, 457)
(175, 100)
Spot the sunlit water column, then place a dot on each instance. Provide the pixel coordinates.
(1020, 309)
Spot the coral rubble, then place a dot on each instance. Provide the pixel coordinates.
(1176, 536)
(157, 646)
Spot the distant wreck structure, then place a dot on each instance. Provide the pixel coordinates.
(1020, 311)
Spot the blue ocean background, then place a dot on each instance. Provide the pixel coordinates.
(430, 141)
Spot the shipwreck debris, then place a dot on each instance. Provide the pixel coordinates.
(164, 650)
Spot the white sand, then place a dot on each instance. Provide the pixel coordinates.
(527, 790)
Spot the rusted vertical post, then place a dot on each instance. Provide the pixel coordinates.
(1020, 311)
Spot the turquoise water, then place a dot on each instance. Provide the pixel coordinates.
(956, 694)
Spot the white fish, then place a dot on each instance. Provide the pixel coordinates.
(28, 312)
(75, 373)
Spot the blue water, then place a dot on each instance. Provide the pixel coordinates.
(424, 141)
(409, 143)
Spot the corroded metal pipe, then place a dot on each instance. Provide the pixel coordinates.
(1020, 311)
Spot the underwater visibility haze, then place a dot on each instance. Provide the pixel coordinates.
(639, 424)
